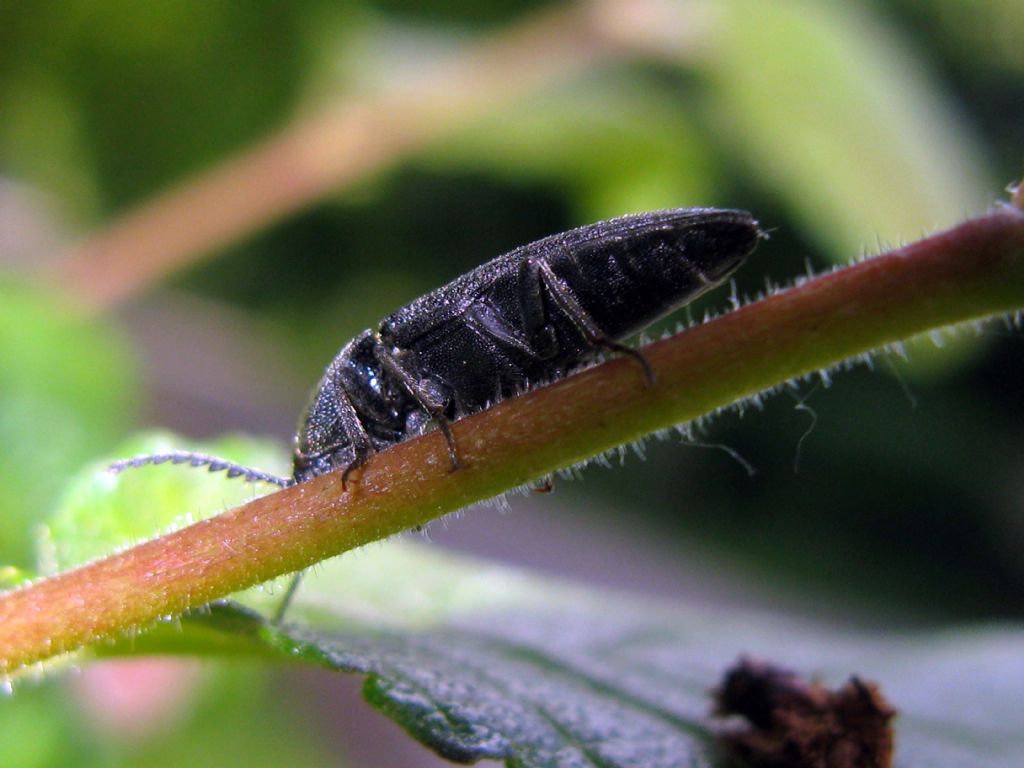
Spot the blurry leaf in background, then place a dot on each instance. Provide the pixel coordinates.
(105, 102)
(827, 107)
(460, 12)
(54, 722)
(100, 512)
(38, 729)
(838, 116)
(67, 388)
(981, 38)
(42, 139)
(617, 144)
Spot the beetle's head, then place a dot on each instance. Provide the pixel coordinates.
(321, 443)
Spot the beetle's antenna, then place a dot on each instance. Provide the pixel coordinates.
(214, 463)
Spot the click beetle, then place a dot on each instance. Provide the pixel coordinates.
(528, 317)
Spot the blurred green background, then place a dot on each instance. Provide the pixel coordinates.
(887, 496)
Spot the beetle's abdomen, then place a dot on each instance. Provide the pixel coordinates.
(632, 271)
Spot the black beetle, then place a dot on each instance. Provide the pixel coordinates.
(525, 318)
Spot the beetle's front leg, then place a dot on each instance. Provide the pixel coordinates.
(353, 428)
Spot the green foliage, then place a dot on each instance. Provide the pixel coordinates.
(207, 714)
(67, 385)
(611, 685)
(479, 661)
(98, 134)
(101, 512)
(825, 103)
(840, 125)
(482, 661)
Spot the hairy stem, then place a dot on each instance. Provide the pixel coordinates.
(971, 271)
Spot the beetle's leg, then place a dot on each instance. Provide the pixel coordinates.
(539, 332)
(489, 324)
(354, 431)
(564, 298)
(636, 354)
(286, 600)
(423, 397)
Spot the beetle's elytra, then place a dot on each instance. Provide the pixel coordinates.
(531, 315)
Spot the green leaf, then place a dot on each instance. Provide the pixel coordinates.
(839, 116)
(617, 688)
(101, 512)
(66, 384)
(479, 661)
(72, 69)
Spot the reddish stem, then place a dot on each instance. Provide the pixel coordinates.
(973, 270)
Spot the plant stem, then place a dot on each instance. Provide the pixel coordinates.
(971, 271)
